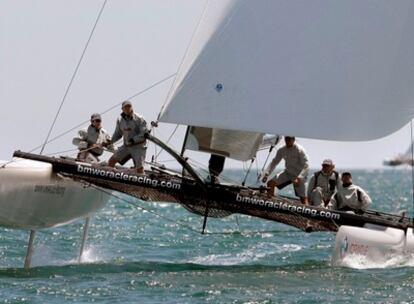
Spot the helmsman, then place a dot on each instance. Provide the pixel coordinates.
(92, 140)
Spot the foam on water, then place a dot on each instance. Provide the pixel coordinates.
(357, 261)
(45, 255)
(247, 256)
(90, 256)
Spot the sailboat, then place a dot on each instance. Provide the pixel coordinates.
(400, 159)
(331, 70)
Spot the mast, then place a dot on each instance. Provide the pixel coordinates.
(183, 148)
(412, 166)
(185, 141)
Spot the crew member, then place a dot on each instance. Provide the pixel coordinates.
(296, 169)
(92, 140)
(215, 167)
(350, 196)
(132, 127)
(323, 184)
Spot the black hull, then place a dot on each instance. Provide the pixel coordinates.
(215, 200)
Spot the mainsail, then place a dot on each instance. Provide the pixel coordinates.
(335, 70)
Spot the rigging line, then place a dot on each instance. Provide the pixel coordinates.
(168, 140)
(257, 167)
(73, 75)
(182, 59)
(106, 111)
(136, 205)
(412, 164)
(267, 158)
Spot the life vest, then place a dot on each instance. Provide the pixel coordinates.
(332, 183)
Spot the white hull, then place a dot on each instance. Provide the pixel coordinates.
(376, 244)
(33, 197)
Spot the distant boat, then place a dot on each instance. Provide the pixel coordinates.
(400, 159)
(328, 70)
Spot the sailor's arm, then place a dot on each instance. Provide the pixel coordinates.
(273, 164)
(142, 129)
(80, 140)
(365, 199)
(275, 161)
(305, 164)
(117, 133)
(311, 185)
(333, 204)
(107, 142)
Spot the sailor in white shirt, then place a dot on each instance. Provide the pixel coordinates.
(296, 169)
(92, 141)
(350, 197)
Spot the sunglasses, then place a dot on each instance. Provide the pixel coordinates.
(96, 120)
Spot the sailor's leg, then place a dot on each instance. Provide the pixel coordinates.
(29, 253)
(215, 166)
(84, 238)
(138, 153)
(119, 157)
(82, 156)
(92, 158)
(112, 161)
(280, 181)
(300, 191)
(271, 185)
(316, 198)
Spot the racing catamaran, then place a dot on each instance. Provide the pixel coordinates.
(315, 69)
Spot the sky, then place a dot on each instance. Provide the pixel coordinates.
(136, 44)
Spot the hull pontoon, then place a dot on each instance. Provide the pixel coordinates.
(33, 196)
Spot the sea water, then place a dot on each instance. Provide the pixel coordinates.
(157, 255)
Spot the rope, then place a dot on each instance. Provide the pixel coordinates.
(412, 163)
(267, 159)
(106, 111)
(168, 140)
(73, 76)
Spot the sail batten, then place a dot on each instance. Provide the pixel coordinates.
(335, 70)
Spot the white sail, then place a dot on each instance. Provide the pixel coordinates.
(238, 145)
(336, 70)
